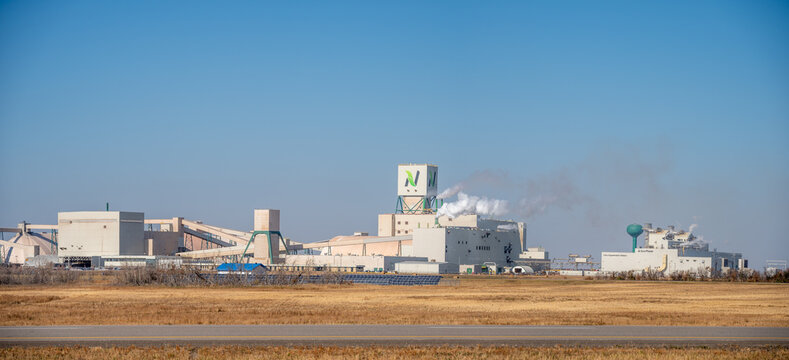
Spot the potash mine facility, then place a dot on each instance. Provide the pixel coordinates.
(413, 239)
(416, 238)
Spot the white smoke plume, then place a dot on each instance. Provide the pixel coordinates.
(470, 205)
(695, 242)
(562, 189)
(530, 197)
(507, 227)
(448, 193)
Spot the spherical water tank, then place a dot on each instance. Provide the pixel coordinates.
(634, 230)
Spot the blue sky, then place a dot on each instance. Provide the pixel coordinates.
(662, 112)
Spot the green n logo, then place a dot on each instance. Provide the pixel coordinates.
(431, 179)
(411, 179)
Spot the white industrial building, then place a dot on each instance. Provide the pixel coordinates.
(100, 233)
(413, 235)
(424, 267)
(25, 244)
(668, 251)
(415, 232)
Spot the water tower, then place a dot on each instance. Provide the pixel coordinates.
(634, 230)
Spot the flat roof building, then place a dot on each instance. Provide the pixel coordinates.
(100, 233)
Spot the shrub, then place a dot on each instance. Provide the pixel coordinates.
(178, 277)
(779, 276)
(14, 275)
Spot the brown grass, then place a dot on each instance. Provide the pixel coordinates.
(473, 301)
(387, 352)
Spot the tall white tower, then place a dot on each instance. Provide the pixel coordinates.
(417, 187)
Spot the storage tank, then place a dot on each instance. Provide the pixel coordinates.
(26, 245)
(634, 230)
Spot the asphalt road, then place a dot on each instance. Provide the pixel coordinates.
(390, 334)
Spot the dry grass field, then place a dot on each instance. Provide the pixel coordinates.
(504, 301)
(384, 352)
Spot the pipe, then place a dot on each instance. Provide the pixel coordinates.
(665, 263)
(634, 243)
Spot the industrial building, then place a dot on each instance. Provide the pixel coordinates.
(668, 251)
(100, 233)
(413, 234)
(425, 242)
(25, 243)
(411, 239)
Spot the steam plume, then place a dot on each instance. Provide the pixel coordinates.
(530, 197)
(560, 190)
(696, 242)
(448, 193)
(468, 205)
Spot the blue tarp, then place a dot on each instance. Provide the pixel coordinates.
(237, 267)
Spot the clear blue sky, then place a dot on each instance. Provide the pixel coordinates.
(649, 111)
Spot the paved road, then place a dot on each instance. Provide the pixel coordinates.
(390, 334)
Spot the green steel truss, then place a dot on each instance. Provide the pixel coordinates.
(428, 205)
(268, 238)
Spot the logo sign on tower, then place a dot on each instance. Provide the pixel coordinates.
(411, 180)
